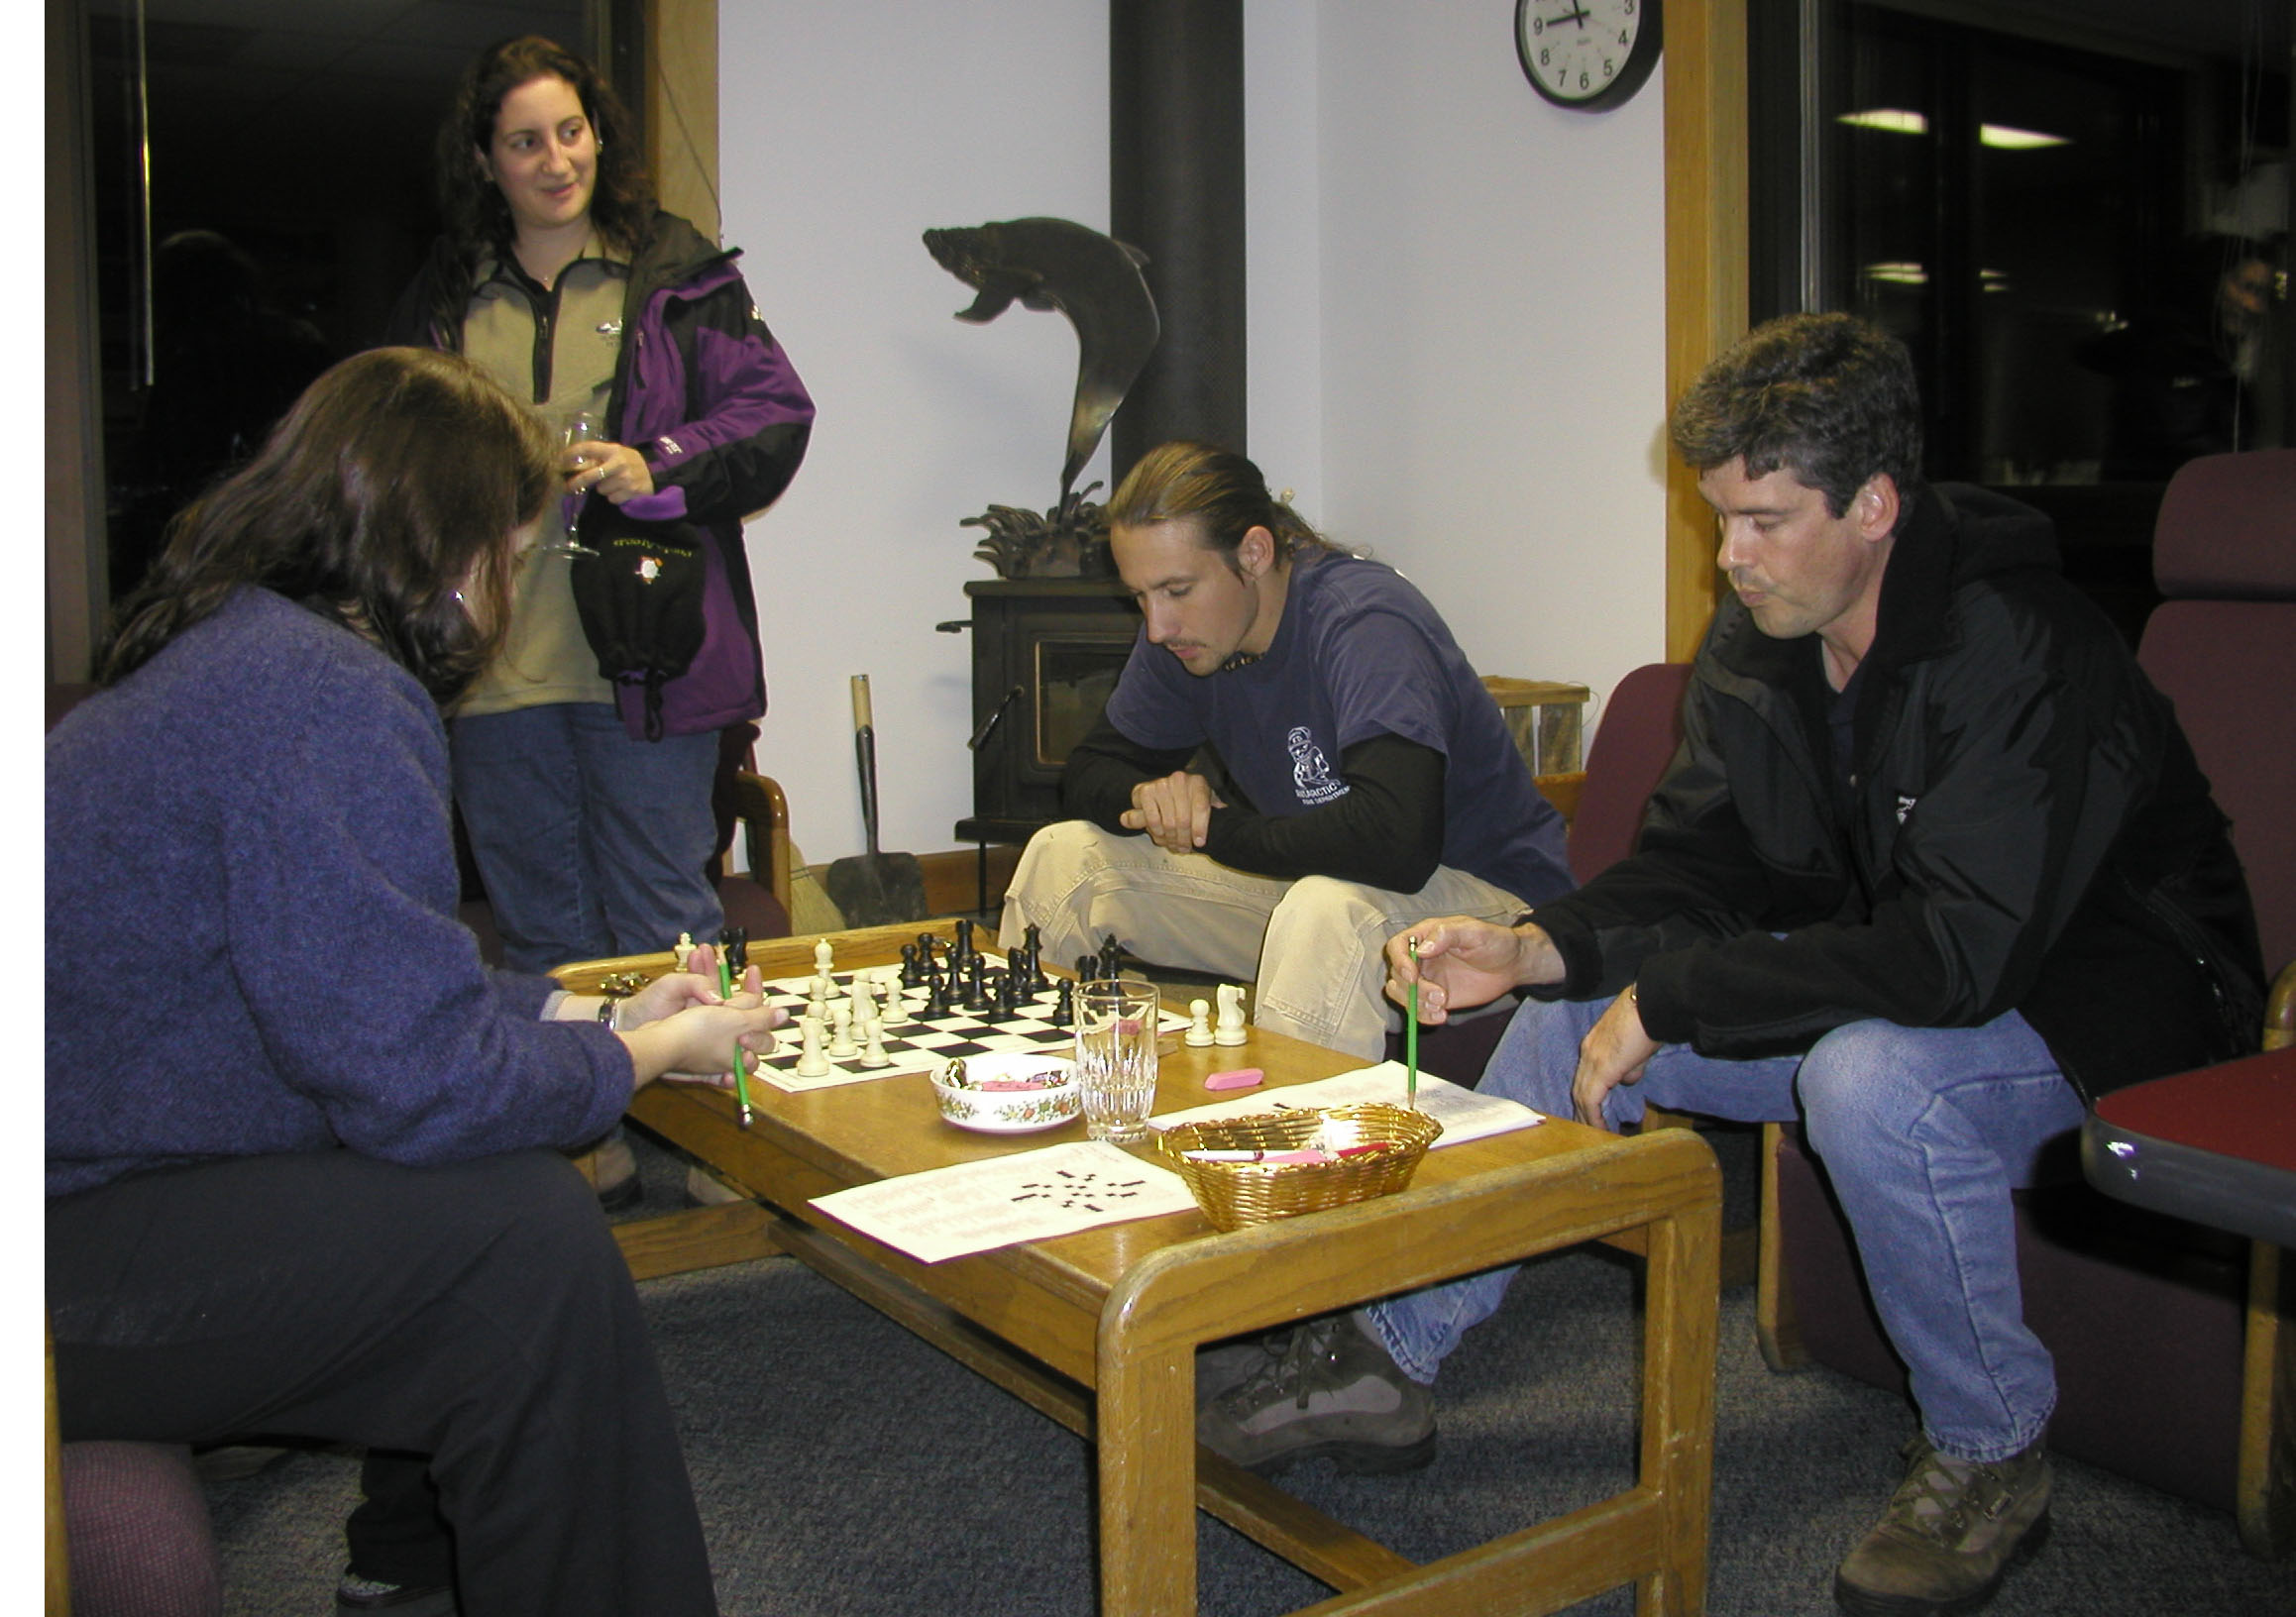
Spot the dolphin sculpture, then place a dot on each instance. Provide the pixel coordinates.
(1093, 280)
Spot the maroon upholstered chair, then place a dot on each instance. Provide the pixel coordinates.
(2173, 1357)
(1640, 728)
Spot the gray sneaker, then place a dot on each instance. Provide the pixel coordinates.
(1948, 1536)
(1330, 1390)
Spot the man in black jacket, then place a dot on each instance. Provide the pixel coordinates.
(1933, 864)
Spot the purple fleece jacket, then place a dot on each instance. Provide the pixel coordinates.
(252, 942)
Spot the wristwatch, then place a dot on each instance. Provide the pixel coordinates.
(610, 1013)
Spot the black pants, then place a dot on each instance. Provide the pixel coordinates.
(479, 1314)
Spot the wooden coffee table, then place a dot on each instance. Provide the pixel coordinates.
(1099, 1329)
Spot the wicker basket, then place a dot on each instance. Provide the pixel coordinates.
(1235, 1194)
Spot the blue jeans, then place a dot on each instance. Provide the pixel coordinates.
(591, 843)
(1923, 1130)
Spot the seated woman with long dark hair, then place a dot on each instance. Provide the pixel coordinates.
(304, 1168)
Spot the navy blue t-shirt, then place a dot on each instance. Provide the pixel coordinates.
(1359, 653)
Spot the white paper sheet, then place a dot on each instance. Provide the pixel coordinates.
(1463, 1114)
(1000, 1201)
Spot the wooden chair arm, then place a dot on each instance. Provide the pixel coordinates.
(763, 809)
(1562, 790)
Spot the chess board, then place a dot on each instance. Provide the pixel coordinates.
(914, 1043)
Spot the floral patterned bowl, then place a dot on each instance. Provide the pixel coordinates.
(1009, 1092)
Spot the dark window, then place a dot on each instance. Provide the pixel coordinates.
(2075, 216)
(289, 200)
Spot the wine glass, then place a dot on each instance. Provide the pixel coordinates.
(574, 427)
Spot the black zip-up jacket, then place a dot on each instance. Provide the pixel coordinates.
(2027, 830)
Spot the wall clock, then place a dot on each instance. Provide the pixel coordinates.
(1588, 55)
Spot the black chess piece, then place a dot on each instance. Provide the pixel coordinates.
(1065, 1008)
(964, 941)
(907, 965)
(1111, 956)
(734, 943)
(1088, 967)
(936, 997)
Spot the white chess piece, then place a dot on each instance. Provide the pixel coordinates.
(896, 1004)
(822, 956)
(841, 1029)
(863, 998)
(685, 947)
(1200, 1023)
(1231, 1029)
(812, 1063)
(873, 1048)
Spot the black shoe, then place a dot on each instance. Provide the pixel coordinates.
(355, 1595)
(1331, 1391)
(1948, 1536)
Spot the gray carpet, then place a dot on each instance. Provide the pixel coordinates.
(844, 1468)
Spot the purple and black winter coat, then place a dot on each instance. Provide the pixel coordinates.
(703, 391)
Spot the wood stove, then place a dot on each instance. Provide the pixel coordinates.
(1047, 653)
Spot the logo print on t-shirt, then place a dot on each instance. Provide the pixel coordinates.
(1311, 771)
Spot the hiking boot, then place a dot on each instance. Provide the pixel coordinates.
(1225, 1365)
(1948, 1536)
(1330, 1390)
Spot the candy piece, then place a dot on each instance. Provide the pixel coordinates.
(1240, 1078)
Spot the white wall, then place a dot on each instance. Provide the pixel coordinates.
(1493, 330)
(1456, 321)
(845, 133)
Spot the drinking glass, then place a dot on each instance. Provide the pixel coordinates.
(1115, 1056)
(574, 427)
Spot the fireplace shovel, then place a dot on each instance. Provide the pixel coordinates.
(874, 889)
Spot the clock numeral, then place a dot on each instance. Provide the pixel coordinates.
(1538, 25)
(1584, 82)
(1623, 39)
(1546, 57)
(1609, 68)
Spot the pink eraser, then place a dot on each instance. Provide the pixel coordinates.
(1240, 1078)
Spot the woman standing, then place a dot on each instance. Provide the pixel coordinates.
(305, 1177)
(588, 799)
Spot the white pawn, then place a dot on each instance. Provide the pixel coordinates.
(1199, 1024)
(685, 947)
(841, 1029)
(1231, 1029)
(895, 1006)
(812, 1063)
(873, 1048)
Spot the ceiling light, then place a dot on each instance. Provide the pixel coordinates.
(2002, 138)
(1893, 120)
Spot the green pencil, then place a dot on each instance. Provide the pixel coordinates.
(1411, 1036)
(740, 1062)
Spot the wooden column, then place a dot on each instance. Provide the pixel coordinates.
(679, 103)
(1706, 267)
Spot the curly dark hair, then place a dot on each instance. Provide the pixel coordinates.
(1829, 397)
(478, 220)
(1215, 489)
(389, 492)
